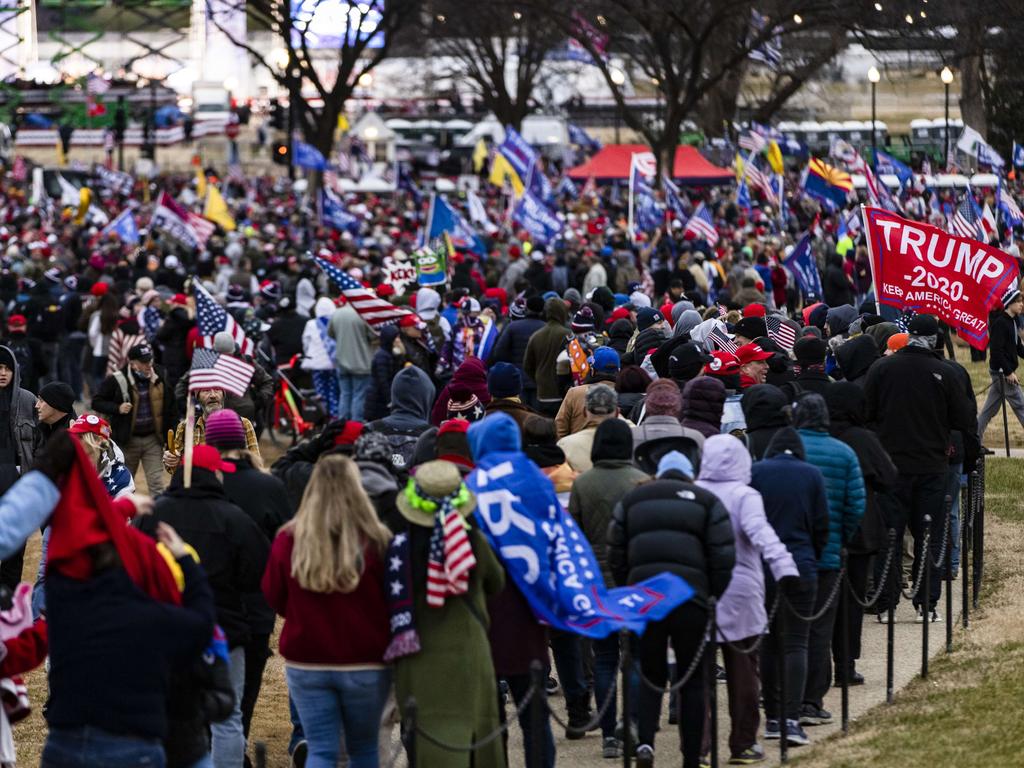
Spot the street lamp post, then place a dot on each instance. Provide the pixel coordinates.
(618, 77)
(874, 76)
(947, 78)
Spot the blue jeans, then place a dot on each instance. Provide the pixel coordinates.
(228, 737)
(87, 747)
(956, 480)
(568, 652)
(297, 734)
(39, 590)
(606, 667)
(332, 703)
(353, 395)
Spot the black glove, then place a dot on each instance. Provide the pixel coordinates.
(789, 584)
(57, 457)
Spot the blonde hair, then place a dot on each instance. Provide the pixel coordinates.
(334, 522)
(98, 448)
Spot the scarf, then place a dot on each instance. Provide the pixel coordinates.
(405, 641)
(451, 556)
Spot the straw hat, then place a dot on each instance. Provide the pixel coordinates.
(432, 482)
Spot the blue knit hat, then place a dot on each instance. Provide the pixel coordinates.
(674, 460)
(504, 380)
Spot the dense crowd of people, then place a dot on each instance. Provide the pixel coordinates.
(692, 411)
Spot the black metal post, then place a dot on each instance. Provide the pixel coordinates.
(538, 712)
(293, 97)
(978, 531)
(965, 512)
(945, 151)
(120, 124)
(780, 652)
(925, 602)
(711, 682)
(874, 139)
(844, 629)
(410, 725)
(948, 536)
(626, 658)
(1006, 423)
(261, 755)
(890, 630)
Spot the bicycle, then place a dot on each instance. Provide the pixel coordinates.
(295, 412)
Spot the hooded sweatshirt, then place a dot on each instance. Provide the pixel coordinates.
(725, 471)
(19, 437)
(412, 394)
(764, 409)
(318, 348)
(472, 376)
(844, 483)
(688, 320)
(855, 358)
(543, 348)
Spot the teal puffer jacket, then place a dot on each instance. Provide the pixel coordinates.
(844, 486)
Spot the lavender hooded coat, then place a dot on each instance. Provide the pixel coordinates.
(725, 471)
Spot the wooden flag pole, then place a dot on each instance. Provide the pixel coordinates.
(190, 428)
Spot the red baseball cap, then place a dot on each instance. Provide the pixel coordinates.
(722, 364)
(208, 457)
(179, 299)
(755, 310)
(748, 353)
(90, 422)
(16, 322)
(408, 321)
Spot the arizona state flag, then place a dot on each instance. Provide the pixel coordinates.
(216, 209)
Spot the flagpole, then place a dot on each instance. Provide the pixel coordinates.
(632, 171)
(190, 426)
(871, 260)
(425, 232)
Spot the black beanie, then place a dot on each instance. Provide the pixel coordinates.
(612, 440)
(58, 395)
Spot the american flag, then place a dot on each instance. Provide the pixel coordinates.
(450, 559)
(202, 227)
(213, 318)
(967, 220)
(752, 142)
(212, 370)
(701, 225)
(96, 85)
(721, 340)
(779, 332)
(373, 309)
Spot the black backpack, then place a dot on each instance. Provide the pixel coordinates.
(402, 442)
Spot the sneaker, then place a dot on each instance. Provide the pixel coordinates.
(644, 756)
(551, 686)
(720, 675)
(812, 715)
(795, 735)
(705, 761)
(856, 678)
(620, 732)
(987, 451)
(749, 756)
(771, 730)
(299, 754)
(883, 617)
(920, 617)
(611, 748)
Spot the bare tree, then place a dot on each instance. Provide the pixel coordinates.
(366, 34)
(498, 49)
(688, 50)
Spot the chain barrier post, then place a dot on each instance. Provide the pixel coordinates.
(890, 630)
(948, 537)
(979, 532)
(925, 602)
(411, 725)
(538, 713)
(844, 640)
(710, 680)
(261, 755)
(626, 661)
(965, 522)
(1006, 422)
(780, 652)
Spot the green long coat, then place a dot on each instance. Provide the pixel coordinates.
(452, 677)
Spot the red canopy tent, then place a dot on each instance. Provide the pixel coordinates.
(612, 162)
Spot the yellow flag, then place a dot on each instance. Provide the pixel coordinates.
(775, 156)
(737, 165)
(84, 199)
(200, 182)
(61, 159)
(479, 156)
(216, 210)
(501, 170)
(343, 125)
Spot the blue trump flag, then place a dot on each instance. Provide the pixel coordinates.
(124, 227)
(886, 163)
(536, 218)
(582, 139)
(307, 156)
(801, 263)
(444, 218)
(333, 213)
(1017, 158)
(551, 561)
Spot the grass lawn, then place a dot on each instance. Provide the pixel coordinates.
(967, 712)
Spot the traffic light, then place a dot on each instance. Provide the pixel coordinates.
(277, 117)
(280, 153)
(120, 120)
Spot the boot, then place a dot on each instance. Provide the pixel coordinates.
(579, 716)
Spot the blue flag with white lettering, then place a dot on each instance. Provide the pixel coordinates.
(536, 218)
(886, 163)
(124, 227)
(801, 263)
(1018, 155)
(333, 213)
(444, 218)
(307, 156)
(549, 558)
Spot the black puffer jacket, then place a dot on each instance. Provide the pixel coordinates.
(855, 357)
(383, 369)
(846, 422)
(672, 525)
(511, 344)
(231, 547)
(619, 334)
(703, 402)
(764, 410)
(647, 340)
